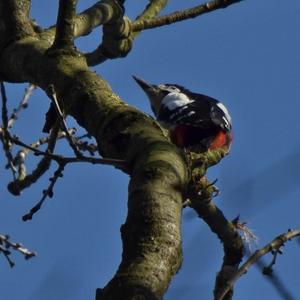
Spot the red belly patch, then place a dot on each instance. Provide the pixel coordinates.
(219, 141)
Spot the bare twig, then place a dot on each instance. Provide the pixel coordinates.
(85, 146)
(61, 159)
(6, 243)
(182, 15)
(4, 133)
(52, 95)
(274, 245)
(24, 180)
(46, 193)
(23, 104)
(276, 282)
(46, 140)
(153, 8)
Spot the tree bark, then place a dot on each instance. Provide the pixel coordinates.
(151, 233)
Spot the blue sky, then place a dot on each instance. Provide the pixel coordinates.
(248, 57)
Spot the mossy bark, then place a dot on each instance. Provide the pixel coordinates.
(151, 234)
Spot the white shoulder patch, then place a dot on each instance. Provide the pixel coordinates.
(225, 111)
(175, 99)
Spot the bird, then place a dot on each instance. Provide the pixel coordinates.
(196, 122)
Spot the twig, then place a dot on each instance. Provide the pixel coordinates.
(153, 8)
(46, 193)
(85, 146)
(52, 95)
(272, 246)
(5, 244)
(61, 159)
(4, 132)
(46, 140)
(182, 15)
(24, 180)
(275, 280)
(23, 104)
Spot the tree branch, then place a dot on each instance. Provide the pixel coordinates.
(6, 244)
(233, 247)
(22, 105)
(100, 13)
(181, 15)
(15, 20)
(153, 8)
(274, 245)
(64, 35)
(118, 38)
(157, 168)
(67, 160)
(26, 180)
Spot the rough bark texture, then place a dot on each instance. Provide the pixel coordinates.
(151, 234)
(158, 170)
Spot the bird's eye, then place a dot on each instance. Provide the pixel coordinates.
(171, 88)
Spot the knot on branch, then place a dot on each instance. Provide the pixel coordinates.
(200, 162)
(117, 39)
(114, 9)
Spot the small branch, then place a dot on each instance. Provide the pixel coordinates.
(274, 245)
(116, 40)
(64, 36)
(118, 163)
(153, 8)
(23, 104)
(4, 132)
(200, 193)
(226, 232)
(52, 95)
(5, 244)
(84, 145)
(276, 282)
(182, 15)
(46, 193)
(24, 181)
(4, 107)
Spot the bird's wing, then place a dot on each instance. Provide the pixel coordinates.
(195, 113)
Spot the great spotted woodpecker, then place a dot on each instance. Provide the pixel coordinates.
(196, 122)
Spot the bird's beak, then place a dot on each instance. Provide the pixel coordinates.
(149, 89)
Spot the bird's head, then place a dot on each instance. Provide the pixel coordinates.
(156, 93)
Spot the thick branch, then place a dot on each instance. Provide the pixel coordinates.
(117, 38)
(152, 248)
(14, 22)
(274, 245)
(100, 13)
(182, 15)
(65, 24)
